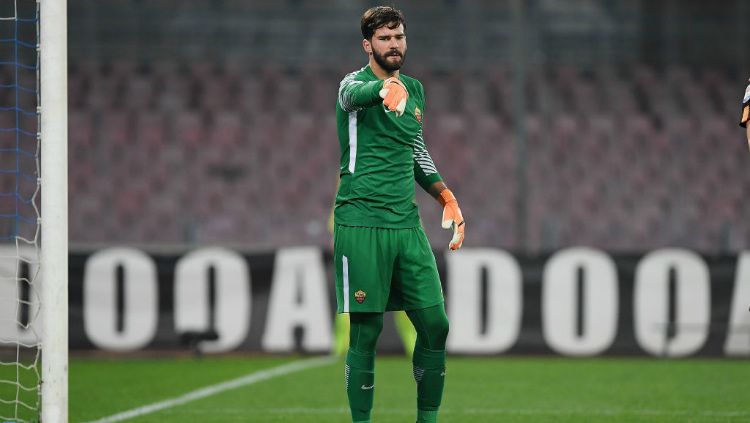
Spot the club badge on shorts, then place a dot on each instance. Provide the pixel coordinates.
(418, 114)
(360, 296)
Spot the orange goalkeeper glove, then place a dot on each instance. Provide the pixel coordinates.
(394, 95)
(452, 218)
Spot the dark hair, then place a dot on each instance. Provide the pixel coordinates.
(380, 16)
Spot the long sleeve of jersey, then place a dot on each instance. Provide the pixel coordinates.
(425, 172)
(356, 95)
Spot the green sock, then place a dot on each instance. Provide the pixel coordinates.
(360, 384)
(427, 416)
(429, 372)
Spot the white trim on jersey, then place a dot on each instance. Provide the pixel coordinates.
(345, 96)
(345, 272)
(422, 157)
(352, 141)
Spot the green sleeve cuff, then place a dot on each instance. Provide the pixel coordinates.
(426, 181)
(367, 94)
(374, 91)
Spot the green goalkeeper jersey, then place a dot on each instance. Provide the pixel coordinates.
(382, 154)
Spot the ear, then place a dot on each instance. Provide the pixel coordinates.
(367, 46)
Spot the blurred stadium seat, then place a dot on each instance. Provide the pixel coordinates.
(223, 152)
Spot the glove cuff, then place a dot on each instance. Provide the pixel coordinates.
(446, 196)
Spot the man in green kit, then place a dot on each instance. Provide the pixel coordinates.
(382, 257)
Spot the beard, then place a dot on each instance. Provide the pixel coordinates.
(385, 63)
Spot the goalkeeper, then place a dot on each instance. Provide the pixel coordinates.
(382, 257)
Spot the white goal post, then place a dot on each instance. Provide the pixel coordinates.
(53, 86)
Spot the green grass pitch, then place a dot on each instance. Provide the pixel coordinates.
(501, 389)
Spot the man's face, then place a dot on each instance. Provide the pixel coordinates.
(389, 47)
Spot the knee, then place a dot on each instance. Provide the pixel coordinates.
(441, 328)
(436, 329)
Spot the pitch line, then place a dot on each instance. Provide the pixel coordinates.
(218, 388)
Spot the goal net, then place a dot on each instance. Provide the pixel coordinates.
(27, 372)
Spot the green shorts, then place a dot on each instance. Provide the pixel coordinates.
(380, 269)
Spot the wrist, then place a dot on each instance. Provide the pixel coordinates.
(446, 196)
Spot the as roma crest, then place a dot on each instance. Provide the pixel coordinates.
(418, 114)
(360, 296)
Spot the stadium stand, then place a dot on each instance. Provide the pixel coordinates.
(620, 159)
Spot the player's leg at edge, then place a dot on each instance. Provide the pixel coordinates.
(406, 331)
(341, 334)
